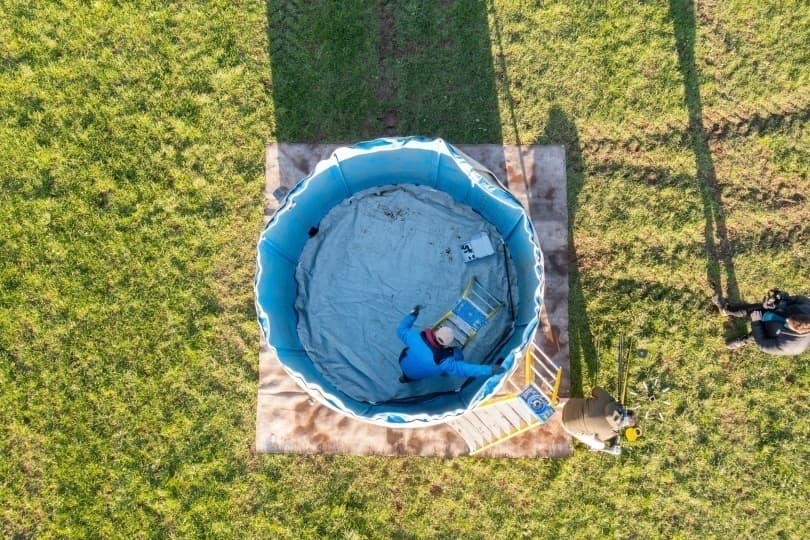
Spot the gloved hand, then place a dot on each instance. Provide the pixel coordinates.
(773, 298)
(613, 450)
(497, 370)
(415, 310)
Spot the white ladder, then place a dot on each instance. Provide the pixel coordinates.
(500, 418)
(494, 422)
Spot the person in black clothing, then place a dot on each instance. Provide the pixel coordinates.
(779, 325)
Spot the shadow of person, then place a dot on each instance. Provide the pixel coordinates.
(719, 252)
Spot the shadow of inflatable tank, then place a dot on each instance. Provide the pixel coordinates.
(348, 71)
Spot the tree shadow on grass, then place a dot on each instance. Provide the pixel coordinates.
(560, 128)
(358, 69)
(719, 253)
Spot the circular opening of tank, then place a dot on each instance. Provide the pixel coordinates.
(374, 230)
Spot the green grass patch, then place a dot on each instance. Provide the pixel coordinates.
(132, 138)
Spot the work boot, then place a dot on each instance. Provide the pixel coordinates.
(739, 343)
(613, 450)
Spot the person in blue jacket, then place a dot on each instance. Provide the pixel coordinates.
(428, 353)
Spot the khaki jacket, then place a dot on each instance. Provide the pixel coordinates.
(599, 416)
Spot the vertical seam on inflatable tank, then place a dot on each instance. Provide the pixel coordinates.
(466, 198)
(513, 228)
(436, 173)
(279, 251)
(342, 177)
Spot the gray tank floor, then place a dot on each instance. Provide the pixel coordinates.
(376, 255)
(288, 421)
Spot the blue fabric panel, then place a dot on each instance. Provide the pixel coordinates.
(527, 278)
(479, 200)
(453, 181)
(527, 310)
(277, 296)
(505, 217)
(322, 193)
(404, 167)
(288, 234)
(436, 405)
(297, 360)
(278, 288)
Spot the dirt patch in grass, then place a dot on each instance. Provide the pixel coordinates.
(387, 85)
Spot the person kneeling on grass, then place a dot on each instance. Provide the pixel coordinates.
(428, 353)
(597, 421)
(780, 325)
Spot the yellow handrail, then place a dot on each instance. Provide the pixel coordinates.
(555, 393)
(527, 361)
(497, 399)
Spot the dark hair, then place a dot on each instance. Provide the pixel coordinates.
(631, 417)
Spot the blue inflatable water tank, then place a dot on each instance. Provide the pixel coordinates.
(418, 161)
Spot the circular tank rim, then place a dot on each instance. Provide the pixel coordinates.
(274, 255)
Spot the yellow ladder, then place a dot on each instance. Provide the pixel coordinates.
(502, 417)
(475, 307)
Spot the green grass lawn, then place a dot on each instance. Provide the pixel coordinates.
(132, 138)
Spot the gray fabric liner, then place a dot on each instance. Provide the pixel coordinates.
(376, 255)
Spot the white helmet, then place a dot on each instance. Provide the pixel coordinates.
(444, 336)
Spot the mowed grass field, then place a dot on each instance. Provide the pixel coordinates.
(131, 196)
